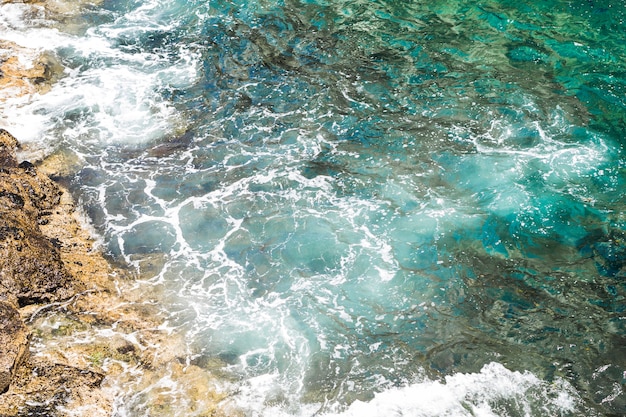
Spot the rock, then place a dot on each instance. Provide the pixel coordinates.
(61, 165)
(8, 297)
(608, 250)
(14, 343)
(29, 73)
(50, 388)
(32, 269)
(22, 184)
(8, 144)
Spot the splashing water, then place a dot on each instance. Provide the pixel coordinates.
(360, 208)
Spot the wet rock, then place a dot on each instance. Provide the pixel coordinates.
(608, 250)
(29, 73)
(14, 343)
(61, 165)
(49, 388)
(22, 186)
(31, 269)
(7, 149)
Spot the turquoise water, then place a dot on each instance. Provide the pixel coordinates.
(360, 207)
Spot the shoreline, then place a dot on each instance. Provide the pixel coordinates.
(69, 348)
(81, 344)
(75, 294)
(42, 246)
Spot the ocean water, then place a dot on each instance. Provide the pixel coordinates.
(356, 208)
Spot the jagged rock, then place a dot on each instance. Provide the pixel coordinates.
(32, 269)
(50, 388)
(22, 187)
(29, 73)
(7, 149)
(14, 343)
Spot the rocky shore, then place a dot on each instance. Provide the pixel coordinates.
(74, 335)
(67, 330)
(38, 271)
(71, 326)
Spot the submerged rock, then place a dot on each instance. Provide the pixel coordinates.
(608, 250)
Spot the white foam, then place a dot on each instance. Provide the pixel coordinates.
(114, 97)
(493, 392)
(16, 16)
(474, 395)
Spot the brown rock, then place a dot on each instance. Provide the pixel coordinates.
(14, 343)
(41, 388)
(8, 141)
(35, 73)
(7, 149)
(8, 297)
(32, 269)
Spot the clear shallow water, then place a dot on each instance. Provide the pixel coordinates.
(383, 208)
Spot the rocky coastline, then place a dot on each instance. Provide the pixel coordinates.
(56, 288)
(48, 262)
(38, 271)
(70, 328)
